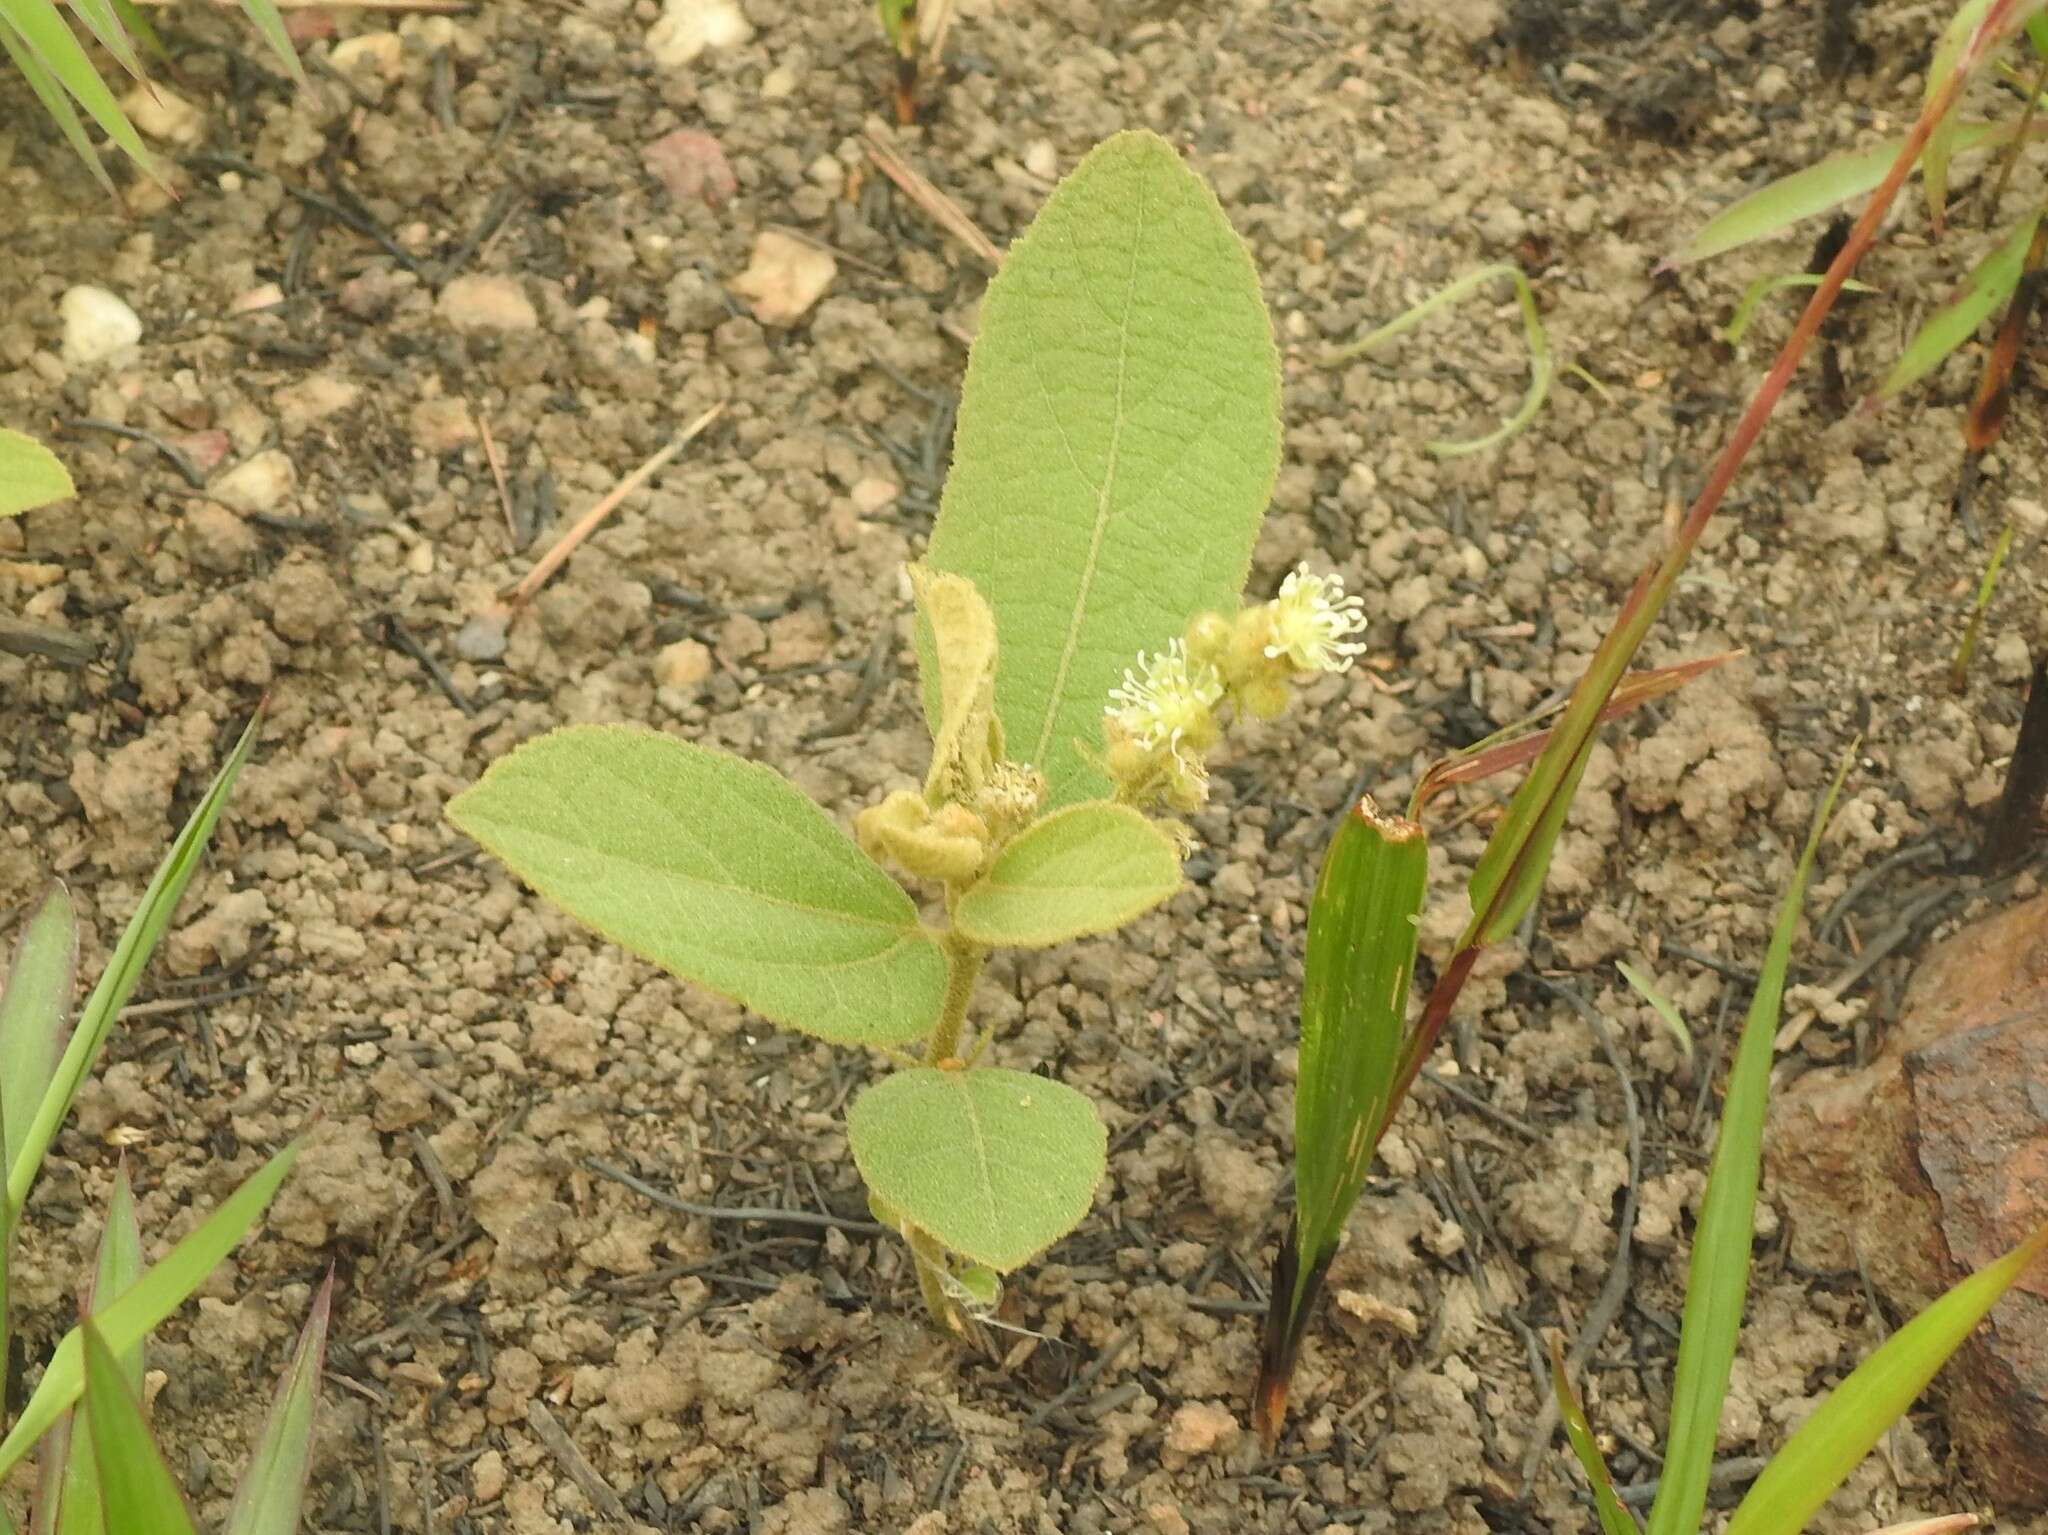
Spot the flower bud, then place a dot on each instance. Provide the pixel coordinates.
(1265, 698)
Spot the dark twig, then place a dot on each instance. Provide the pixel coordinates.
(1085, 1381)
(59, 645)
(172, 455)
(766, 1213)
(563, 1448)
(1726, 1473)
(2016, 827)
(403, 640)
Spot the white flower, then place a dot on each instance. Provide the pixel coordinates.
(1171, 702)
(1313, 622)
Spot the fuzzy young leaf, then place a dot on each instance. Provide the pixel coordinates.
(958, 641)
(1828, 1445)
(30, 475)
(1086, 869)
(274, 1486)
(141, 1497)
(117, 982)
(719, 870)
(997, 1165)
(1718, 1281)
(126, 1320)
(1983, 293)
(1119, 438)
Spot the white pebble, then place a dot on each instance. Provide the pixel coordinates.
(688, 27)
(96, 324)
(481, 303)
(256, 484)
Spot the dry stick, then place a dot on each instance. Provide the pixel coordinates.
(566, 545)
(585, 1475)
(944, 212)
(483, 426)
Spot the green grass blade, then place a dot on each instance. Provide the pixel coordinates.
(153, 1297)
(1719, 1279)
(138, 27)
(104, 22)
(264, 14)
(267, 1503)
(1828, 1445)
(1660, 1004)
(141, 1496)
(1984, 292)
(1987, 587)
(1542, 365)
(35, 1010)
(1614, 1518)
(123, 971)
(1754, 295)
(77, 1507)
(1776, 207)
(52, 96)
(49, 37)
(1941, 144)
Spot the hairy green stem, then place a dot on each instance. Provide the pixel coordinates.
(964, 960)
(930, 1258)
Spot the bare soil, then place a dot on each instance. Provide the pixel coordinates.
(528, 1344)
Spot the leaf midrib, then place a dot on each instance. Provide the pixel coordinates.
(1057, 693)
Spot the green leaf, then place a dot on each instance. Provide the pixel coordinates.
(718, 870)
(1774, 208)
(1086, 869)
(1660, 1004)
(104, 23)
(1828, 1445)
(1718, 1281)
(127, 1320)
(141, 1496)
(1119, 439)
(1984, 292)
(1941, 143)
(30, 475)
(118, 980)
(1614, 1518)
(51, 95)
(957, 649)
(268, 1501)
(997, 1165)
(1754, 295)
(35, 1011)
(1354, 1014)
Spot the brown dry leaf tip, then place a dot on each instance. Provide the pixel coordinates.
(1395, 828)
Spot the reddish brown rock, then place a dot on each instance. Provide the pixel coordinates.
(1933, 1160)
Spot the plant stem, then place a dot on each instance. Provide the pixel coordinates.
(930, 1259)
(963, 968)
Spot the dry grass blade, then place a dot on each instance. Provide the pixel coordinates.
(943, 211)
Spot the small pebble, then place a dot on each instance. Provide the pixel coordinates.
(482, 639)
(479, 303)
(256, 485)
(96, 324)
(164, 115)
(684, 664)
(688, 27)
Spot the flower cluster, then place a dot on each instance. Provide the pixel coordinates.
(1164, 717)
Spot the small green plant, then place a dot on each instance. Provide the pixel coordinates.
(30, 475)
(65, 80)
(916, 33)
(1829, 1444)
(1081, 649)
(44, 1060)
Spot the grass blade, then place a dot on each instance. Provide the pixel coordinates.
(1354, 1022)
(105, 24)
(1774, 208)
(1614, 1518)
(267, 1503)
(1827, 1447)
(137, 26)
(159, 1292)
(1660, 1004)
(1941, 144)
(1990, 283)
(1754, 295)
(117, 983)
(1718, 1281)
(54, 101)
(264, 14)
(141, 1496)
(1966, 652)
(35, 1009)
(1542, 366)
(49, 37)
(71, 1502)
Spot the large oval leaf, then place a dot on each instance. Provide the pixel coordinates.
(1086, 869)
(1119, 437)
(997, 1165)
(719, 870)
